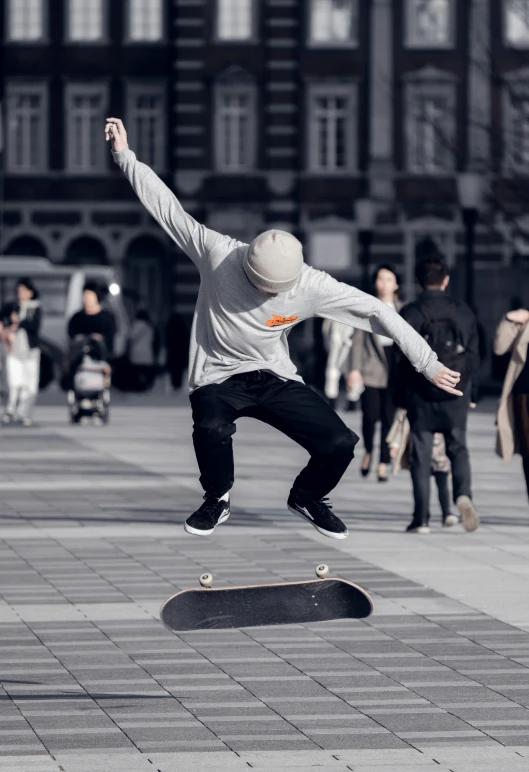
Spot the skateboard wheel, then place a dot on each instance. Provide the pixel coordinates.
(206, 580)
(322, 571)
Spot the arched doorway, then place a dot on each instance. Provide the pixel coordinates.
(27, 246)
(86, 250)
(147, 278)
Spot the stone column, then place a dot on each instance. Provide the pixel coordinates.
(381, 87)
(479, 87)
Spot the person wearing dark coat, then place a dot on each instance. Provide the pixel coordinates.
(428, 411)
(93, 320)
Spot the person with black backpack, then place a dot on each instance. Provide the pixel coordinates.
(450, 329)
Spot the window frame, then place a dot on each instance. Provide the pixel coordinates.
(252, 40)
(332, 44)
(506, 42)
(133, 89)
(103, 40)
(409, 43)
(516, 82)
(224, 87)
(425, 85)
(350, 90)
(330, 226)
(162, 40)
(72, 87)
(43, 40)
(21, 85)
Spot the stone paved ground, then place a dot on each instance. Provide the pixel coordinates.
(91, 543)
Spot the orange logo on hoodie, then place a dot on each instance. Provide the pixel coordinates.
(278, 321)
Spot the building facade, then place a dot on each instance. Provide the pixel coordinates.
(272, 113)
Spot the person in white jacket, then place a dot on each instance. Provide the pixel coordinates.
(338, 339)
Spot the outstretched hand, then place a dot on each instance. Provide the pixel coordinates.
(116, 134)
(447, 380)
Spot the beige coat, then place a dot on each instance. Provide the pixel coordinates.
(509, 337)
(367, 356)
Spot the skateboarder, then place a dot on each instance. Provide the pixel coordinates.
(250, 298)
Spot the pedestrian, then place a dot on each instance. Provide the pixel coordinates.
(94, 320)
(399, 442)
(20, 324)
(371, 366)
(512, 336)
(249, 299)
(338, 339)
(450, 328)
(143, 350)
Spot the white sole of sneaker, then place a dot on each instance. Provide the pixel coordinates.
(198, 532)
(450, 521)
(307, 519)
(421, 529)
(469, 515)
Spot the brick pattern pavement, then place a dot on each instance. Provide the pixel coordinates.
(91, 680)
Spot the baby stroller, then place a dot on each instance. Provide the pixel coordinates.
(89, 395)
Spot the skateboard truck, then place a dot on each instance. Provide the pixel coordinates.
(322, 572)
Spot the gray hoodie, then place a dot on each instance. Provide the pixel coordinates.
(236, 328)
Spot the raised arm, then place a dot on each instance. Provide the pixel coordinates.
(191, 237)
(338, 301)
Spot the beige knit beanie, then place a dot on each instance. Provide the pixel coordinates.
(274, 261)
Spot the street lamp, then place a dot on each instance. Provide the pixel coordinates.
(365, 216)
(470, 191)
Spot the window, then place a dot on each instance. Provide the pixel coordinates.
(85, 113)
(26, 127)
(517, 23)
(430, 127)
(145, 20)
(332, 130)
(25, 20)
(146, 123)
(235, 129)
(429, 23)
(333, 22)
(516, 126)
(235, 19)
(85, 21)
(331, 250)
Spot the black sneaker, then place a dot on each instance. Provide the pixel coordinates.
(318, 513)
(212, 512)
(416, 526)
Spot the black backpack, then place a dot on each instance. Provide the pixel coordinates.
(445, 338)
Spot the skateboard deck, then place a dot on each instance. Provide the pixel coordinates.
(285, 603)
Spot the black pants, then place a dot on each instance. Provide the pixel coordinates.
(289, 406)
(421, 461)
(441, 479)
(521, 430)
(377, 405)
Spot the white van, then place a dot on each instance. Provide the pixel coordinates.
(61, 295)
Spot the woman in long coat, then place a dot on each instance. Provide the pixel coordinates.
(513, 414)
(371, 367)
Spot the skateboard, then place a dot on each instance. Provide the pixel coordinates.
(285, 603)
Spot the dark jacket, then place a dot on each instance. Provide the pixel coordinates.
(103, 324)
(446, 414)
(31, 324)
